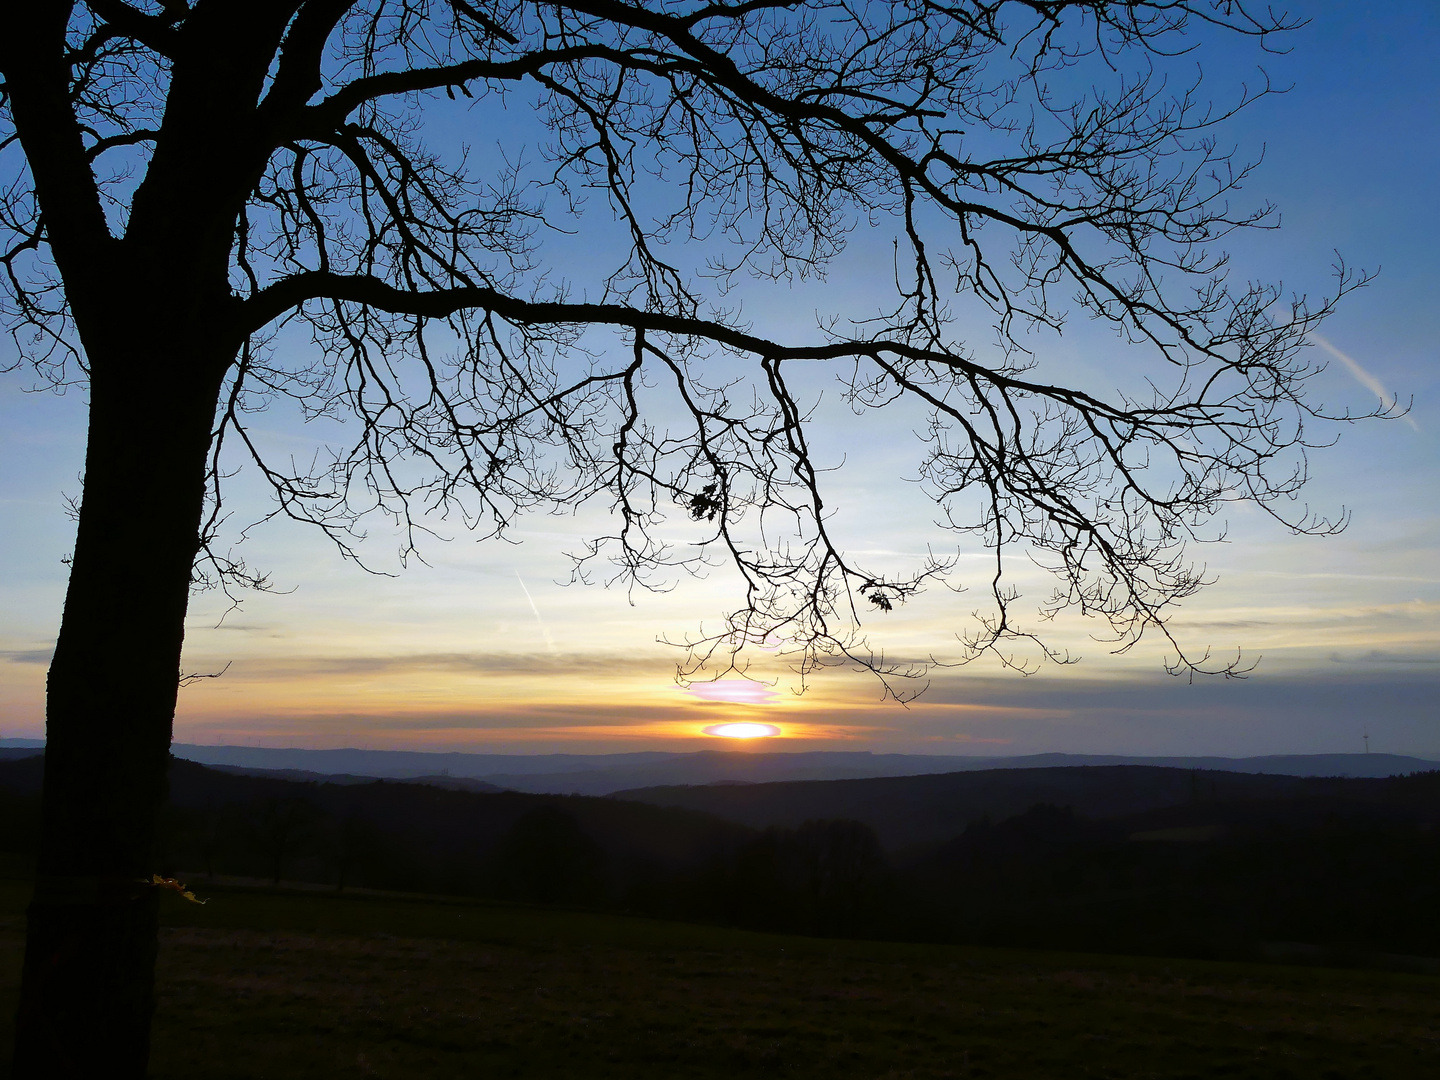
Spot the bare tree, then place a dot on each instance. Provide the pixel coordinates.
(196, 190)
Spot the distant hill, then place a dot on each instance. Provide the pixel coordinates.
(1122, 858)
(604, 774)
(913, 811)
(410, 836)
(405, 764)
(454, 783)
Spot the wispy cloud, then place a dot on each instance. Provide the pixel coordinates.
(1377, 656)
(1308, 711)
(27, 656)
(1362, 376)
(586, 664)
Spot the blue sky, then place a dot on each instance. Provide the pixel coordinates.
(482, 648)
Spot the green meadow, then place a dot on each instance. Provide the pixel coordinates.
(280, 984)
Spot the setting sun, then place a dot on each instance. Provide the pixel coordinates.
(743, 731)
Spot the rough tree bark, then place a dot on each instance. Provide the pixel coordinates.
(90, 946)
(153, 315)
(91, 938)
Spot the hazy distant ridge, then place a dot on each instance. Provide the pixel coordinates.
(604, 774)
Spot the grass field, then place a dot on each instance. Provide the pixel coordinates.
(277, 985)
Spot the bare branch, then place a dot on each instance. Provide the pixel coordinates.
(719, 141)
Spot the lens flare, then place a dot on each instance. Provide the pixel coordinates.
(743, 730)
(733, 691)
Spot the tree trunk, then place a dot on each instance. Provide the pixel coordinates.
(87, 990)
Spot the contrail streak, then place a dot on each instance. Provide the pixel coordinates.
(1363, 377)
(549, 641)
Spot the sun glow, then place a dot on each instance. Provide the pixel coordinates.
(743, 730)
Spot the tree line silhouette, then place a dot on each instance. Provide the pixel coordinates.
(1340, 865)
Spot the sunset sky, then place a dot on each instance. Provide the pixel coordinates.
(483, 648)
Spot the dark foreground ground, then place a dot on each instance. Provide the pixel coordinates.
(278, 985)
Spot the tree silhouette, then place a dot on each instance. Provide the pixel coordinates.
(547, 858)
(209, 205)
